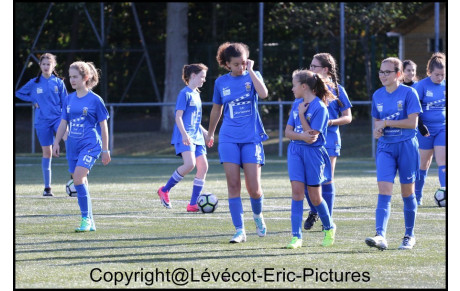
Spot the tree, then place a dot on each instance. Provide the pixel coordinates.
(176, 58)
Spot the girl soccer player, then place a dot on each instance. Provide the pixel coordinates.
(339, 109)
(187, 136)
(432, 93)
(308, 161)
(83, 111)
(409, 73)
(48, 93)
(395, 109)
(241, 133)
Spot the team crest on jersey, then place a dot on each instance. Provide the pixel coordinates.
(56, 89)
(85, 111)
(429, 93)
(248, 86)
(39, 90)
(380, 107)
(308, 116)
(400, 105)
(226, 91)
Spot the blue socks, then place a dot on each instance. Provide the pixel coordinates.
(324, 215)
(257, 204)
(382, 214)
(296, 218)
(442, 175)
(419, 183)
(84, 201)
(175, 178)
(197, 188)
(236, 210)
(46, 168)
(328, 192)
(410, 212)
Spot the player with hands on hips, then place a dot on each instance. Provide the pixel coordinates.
(309, 164)
(83, 110)
(432, 93)
(241, 134)
(47, 92)
(188, 136)
(395, 108)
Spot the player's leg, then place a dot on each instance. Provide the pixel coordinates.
(298, 192)
(232, 173)
(440, 156)
(328, 188)
(46, 139)
(426, 155)
(198, 182)
(84, 199)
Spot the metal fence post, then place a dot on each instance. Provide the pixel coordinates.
(280, 134)
(112, 116)
(33, 129)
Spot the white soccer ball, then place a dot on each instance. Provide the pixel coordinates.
(70, 189)
(207, 202)
(440, 197)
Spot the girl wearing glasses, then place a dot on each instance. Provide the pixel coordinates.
(339, 109)
(432, 94)
(395, 109)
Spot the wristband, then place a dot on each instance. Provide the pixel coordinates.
(385, 124)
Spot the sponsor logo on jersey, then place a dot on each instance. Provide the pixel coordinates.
(226, 91)
(429, 93)
(39, 90)
(56, 89)
(380, 107)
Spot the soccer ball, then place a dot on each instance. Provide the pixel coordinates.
(207, 202)
(440, 197)
(70, 189)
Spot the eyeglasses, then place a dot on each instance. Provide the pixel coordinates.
(386, 73)
(314, 67)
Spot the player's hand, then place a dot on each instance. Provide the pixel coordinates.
(106, 158)
(378, 133)
(56, 150)
(36, 105)
(186, 140)
(379, 124)
(310, 136)
(249, 65)
(303, 107)
(210, 141)
(423, 130)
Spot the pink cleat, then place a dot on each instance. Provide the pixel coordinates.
(164, 197)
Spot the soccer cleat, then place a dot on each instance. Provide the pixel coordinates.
(93, 226)
(260, 225)
(420, 202)
(47, 192)
(407, 243)
(192, 208)
(240, 236)
(329, 236)
(164, 197)
(377, 242)
(85, 225)
(310, 221)
(295, 243)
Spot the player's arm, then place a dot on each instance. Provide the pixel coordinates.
(410, 122)
(216, 113)
(204, 131)
(59, 134)
(105, 142)
(259, 84)
(180, 125)
(304, 136)
(378, 132)
(422, 128)
(342, 120)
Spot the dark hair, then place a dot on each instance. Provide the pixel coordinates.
(52, 58)
(228, 50)
(406, 63)
(437, 61)
(87, 69)
(327, 60)
(188, 70)
(315, 83)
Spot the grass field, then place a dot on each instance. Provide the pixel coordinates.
(139, 243)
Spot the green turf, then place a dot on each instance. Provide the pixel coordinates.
(135, 234)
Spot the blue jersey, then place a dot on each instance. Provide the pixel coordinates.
(49, 94)
(433, 99)
(241, 122)
(189, 101)
(83, 114)
(317, 117)
(333, 132)
(395, 106)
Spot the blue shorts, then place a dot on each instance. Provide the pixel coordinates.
(437, 138)
(402, 156)
(85, 157)
(309, 165)
(46, 132)
(334, 152)
(198, 149)
(241, 153)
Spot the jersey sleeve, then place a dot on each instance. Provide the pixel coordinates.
(319, 119)
(374, 111)
(413, 103)
(291, 116)
(182, 100)
(217, 97)
(25, 93)
(420, 90)
(101, 111)
(64, 114)
(343, 96)
(62, 92)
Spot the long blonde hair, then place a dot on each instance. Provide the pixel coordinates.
(87, 69)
